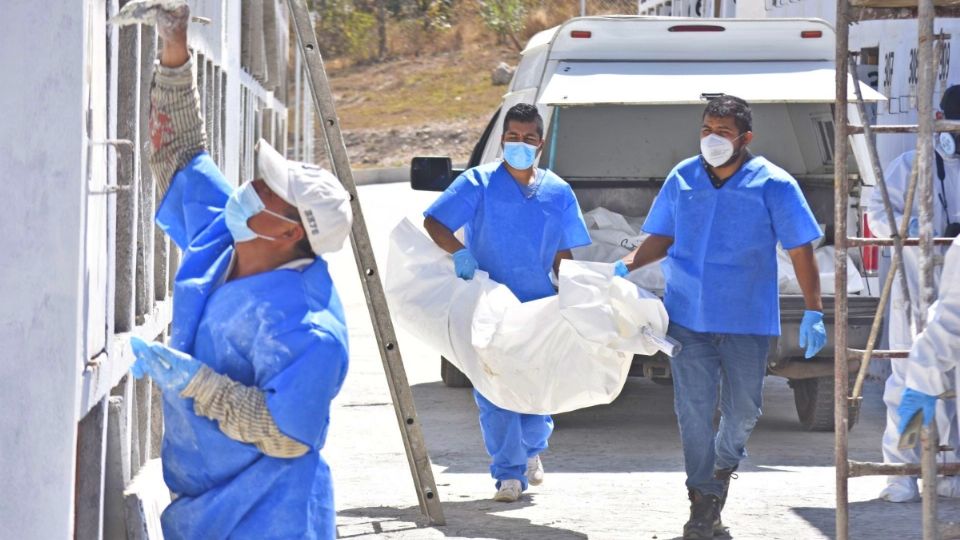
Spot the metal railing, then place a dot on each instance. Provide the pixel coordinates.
(120, 419)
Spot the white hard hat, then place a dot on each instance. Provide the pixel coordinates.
(323, 203)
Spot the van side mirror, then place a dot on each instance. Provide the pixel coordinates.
(432, 173)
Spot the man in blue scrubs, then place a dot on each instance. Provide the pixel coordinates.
(519, 223)
(258, 347)
(717, 220)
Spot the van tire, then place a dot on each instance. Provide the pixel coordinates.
(453, 377)
(815, 404)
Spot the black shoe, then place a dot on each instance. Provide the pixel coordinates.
(704, 517)
(724, 475)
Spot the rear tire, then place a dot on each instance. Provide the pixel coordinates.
(453, 377)
(815, 404)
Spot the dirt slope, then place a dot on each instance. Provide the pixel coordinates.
(426, 105)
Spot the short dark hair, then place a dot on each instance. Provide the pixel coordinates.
(950, 103)
(727, 106)
(524, 112)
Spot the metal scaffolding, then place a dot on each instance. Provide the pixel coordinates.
(848, 12)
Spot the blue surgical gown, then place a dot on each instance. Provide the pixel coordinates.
(513, 236)
(721, 271)
(282, 332)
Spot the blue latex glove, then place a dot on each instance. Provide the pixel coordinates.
(620, 269)
(913, 229)
(813, 335)
(911, 403)
(170, 369)
(464, 264)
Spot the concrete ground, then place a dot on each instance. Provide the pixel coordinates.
(611, 472)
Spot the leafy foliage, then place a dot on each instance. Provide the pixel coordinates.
(505, 17)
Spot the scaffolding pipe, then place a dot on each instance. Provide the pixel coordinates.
(840, 374)
(897, 262)
(928, 468)
(938, 126)
(855, 242)
(924, 156)
(860, 468)
(923, 167)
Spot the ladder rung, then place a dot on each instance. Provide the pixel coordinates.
(863, 468)
(938, 126)
(855, 241)
(881, 12)
(878, 354)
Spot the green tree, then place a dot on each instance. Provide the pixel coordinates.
(505, 17)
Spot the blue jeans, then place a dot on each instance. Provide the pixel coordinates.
(510, 438)
(734, 365)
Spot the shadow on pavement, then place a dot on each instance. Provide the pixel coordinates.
(465, 519)
(638, 433)
(879, 519)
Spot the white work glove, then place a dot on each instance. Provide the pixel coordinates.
(170, 17)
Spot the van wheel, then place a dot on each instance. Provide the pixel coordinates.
(814, 401)
(453, 377)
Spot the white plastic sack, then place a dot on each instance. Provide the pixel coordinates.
(787, 277)
(615, 235)
(547, 356)
(612, 237)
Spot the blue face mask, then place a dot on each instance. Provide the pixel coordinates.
(519, 155)
(243, 204)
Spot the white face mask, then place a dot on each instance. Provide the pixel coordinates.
(717, 150)
(947, 143)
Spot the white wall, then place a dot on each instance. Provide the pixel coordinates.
(43, 159)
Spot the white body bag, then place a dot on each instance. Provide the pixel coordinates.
(552, 355)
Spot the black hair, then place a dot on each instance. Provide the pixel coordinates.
(524, 112)
(950, 103)
(727, 106)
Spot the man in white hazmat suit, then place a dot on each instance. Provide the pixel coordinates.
(946, 214)
(936, 351)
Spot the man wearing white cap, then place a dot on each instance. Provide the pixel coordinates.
(258, 347)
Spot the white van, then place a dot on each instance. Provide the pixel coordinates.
(622, 99)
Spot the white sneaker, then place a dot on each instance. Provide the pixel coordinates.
(534, 471)
(901, 489)
(948, 486)
(509, 491)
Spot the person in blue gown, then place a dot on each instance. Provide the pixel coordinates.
(258, 346)
(519, 223)
(717, 220)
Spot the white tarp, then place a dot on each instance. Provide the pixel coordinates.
(548, 356)
(615, 235)
(787, 278)
(612, 237)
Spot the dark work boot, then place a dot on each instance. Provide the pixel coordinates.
(704, 516)
(725, 475)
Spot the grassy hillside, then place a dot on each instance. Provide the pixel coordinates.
(434, 95)
(444, 88)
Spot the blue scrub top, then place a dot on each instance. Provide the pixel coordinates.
(282, 332)
(721, 271)
(513, 233)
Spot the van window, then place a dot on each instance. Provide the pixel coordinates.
(529, 70)
(644, 142)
